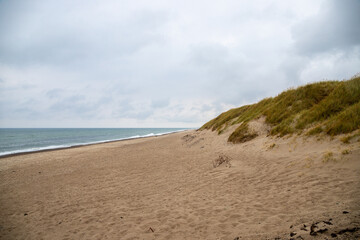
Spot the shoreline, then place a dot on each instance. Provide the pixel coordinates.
(89, 144)
(185, 185)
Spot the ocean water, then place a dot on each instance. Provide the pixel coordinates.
(18, 140)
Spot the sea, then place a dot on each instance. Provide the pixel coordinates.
(21, 140)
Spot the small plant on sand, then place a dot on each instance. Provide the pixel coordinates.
(272, 146)
(291, 164)
(222, 160)
(345, 152)
(308, 162)
(348, 138)
(328, 156)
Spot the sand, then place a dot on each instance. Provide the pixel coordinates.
(187, 185)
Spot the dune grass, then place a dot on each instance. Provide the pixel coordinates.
(242, 134)
(331, 107)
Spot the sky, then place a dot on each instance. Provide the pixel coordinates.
(164, 63)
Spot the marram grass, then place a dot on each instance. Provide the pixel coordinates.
(331, 107)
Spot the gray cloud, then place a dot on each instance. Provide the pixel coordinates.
(334, 28)
(62, 36)
(160, 63)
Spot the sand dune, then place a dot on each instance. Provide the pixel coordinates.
(188, 185)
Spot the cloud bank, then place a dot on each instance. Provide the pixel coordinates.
(161, 63)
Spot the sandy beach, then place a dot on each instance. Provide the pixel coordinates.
(187, 185)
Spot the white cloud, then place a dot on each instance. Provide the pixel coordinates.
(162, 63)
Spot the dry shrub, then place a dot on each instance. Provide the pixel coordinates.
(328, 156)
(222, 160)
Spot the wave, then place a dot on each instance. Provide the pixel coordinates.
(52, 147)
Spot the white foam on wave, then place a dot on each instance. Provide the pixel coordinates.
(36, 149)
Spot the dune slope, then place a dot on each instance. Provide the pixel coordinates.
(332, 107)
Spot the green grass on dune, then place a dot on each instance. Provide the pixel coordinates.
(346, 121)
(242, 134)
(332, 107)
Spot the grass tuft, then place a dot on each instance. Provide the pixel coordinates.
(348, 138)
(328, 156)
(345, 152)
(315, 131)
(242, 134)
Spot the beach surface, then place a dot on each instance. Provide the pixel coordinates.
(186, 185)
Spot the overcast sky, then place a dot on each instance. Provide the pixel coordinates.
(112, 63)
